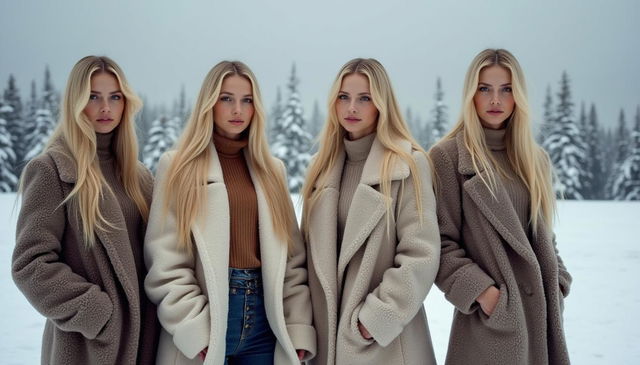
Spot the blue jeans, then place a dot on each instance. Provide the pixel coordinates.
(249, 336)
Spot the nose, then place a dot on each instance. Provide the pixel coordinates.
(237, 108)
(352, 107)
(495, 98)
(104, 107)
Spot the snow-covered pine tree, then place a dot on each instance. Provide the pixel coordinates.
(14, 119)
(161, 137)
(292, 144)
(317, 121)
(595, 155)
(439, 119)
(566, 147)
(622, 139)
(273, 122)
(50, 97)
(548, 118)
(626, 183)
(8, 178)
(45, 118)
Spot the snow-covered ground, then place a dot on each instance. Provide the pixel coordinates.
(599, 242)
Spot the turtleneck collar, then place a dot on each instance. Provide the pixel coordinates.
(103, 146)
(358, 150)
(495, 138)
(229, 147)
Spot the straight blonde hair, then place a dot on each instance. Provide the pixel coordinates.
(528, 159)
(391, 128)
(77, 134)
(185, 189)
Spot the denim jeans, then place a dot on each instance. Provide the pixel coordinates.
(249, 337)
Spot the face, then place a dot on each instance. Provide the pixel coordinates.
(106, 103)
(233, 111)
(354, 107)
(494, 97)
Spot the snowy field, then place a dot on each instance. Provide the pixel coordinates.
(599, 242)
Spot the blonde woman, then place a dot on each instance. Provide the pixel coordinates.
(499, 264)
(370, 225)
(226, 260)
(85, 202)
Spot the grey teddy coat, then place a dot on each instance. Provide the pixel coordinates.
(484, 244)
(91, 298)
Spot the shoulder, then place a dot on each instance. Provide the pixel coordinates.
(41, 165)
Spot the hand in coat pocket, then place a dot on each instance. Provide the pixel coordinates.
(488, 300)
(363, 331)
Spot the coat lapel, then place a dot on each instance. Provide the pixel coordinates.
(368, 204)
(496, 209)
(115, 240)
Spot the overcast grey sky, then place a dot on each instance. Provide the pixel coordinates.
(164, 44)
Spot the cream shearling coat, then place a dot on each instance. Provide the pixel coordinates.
(192, 290)
(379, 277)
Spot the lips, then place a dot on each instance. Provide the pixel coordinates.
(352, 119)
(104, 120)
(495, 112)
(236, 121)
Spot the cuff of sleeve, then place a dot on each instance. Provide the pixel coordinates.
(565, 286)
(97, 313)
(303, 337)
(193, 336)
(467, 287)
(383, 328)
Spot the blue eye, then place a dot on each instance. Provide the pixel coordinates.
(507, 89)
(248, 100)
(93, 97)
(483, 89)
(225, 98)
(365, 98)
(116, 97)
(343, 97)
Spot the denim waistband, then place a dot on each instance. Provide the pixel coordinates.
(245, 278)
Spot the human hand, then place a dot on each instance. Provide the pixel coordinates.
(301, 354)
(203, 354)
(489, 299)
(363, 331)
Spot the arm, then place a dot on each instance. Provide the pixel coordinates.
(564, 278)
(461, 279)
(183, 310)
(404, 287)
(297, 298)
(67, 299)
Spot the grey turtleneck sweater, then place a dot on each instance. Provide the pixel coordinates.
(516, 189)
(356, 155)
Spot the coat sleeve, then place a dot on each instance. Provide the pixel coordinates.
(171, 283)
(564, 278)
(71, 302)
(459, 277)
(297, 297)
(404, 287)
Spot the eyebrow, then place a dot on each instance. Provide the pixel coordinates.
(228, 93)
(344, 92)
(111, 93)
(484, 83)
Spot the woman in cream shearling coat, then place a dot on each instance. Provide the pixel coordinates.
(370, 227)
(189, 262)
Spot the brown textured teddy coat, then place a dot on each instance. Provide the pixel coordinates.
(484, 244)
(90, 297)
(380, 278)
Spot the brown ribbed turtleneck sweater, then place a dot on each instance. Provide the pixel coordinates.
(132, 217)
(244, 245)
(517, 191)
(356, 155)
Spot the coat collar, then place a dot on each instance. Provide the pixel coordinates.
(214, 172)
(371, 171)
(496, 206)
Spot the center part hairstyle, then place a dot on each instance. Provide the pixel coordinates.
(527, 158)
(186, 182)
(391, 128)
(77, 133)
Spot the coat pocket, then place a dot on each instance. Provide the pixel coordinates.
(502, 318)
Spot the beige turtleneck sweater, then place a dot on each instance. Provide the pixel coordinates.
(244, 245)
(516, 189)
(356, 155)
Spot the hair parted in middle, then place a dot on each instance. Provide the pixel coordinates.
(528, 159)
(75, 130)
(391, 128)
(186, 182)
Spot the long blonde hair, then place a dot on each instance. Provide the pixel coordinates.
(186, 182)
(391, 128)
(77, 133)
(528, 159)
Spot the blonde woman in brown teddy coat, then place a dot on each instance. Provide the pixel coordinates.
(370, 226)
(499, 265)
